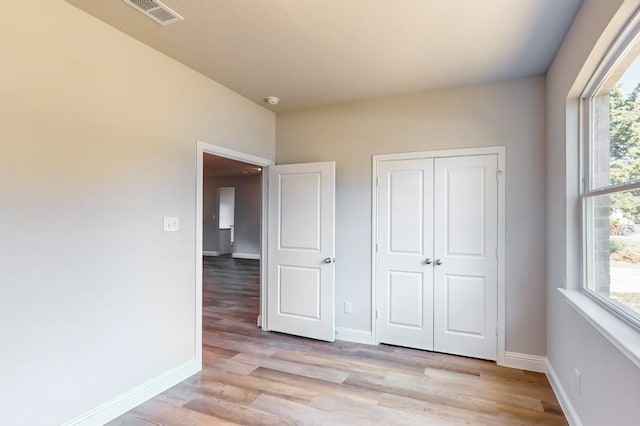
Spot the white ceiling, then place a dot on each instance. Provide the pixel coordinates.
(318, 52)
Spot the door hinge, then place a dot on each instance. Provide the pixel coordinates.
(377, 180)
(497, 253)
(497, 330)
(377, 314)
(498, 175)
(377, 247)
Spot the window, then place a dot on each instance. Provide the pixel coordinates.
(611, 183)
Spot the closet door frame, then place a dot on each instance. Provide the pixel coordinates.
(499, 151)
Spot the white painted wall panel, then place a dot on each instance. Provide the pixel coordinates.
(98, 143)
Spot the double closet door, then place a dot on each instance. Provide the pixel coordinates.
(437, 254)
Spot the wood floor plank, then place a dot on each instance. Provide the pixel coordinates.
(530, 396)
(154, 412)
(221, 341)
(322, 373)
(366, 412)
(523, 416)
(305, 413)
(241, 414)
(448, 414)
(434, 395)
(223, 391)
(262, 385)
(318, 386)
(218, 353)
(254, 377)
(340, 362)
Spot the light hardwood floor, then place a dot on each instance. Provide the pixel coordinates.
(252, 377)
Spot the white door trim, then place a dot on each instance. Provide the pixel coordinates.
(206, 148)
(497, 150)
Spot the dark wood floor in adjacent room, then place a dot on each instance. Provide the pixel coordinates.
(252, 377)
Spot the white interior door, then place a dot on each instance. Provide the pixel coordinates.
(465, 246)
(405, 251)
(300, 265)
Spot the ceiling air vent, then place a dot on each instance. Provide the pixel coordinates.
(155, 10)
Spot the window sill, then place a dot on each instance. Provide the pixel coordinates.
(622, 335)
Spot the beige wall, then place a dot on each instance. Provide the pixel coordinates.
(510, 114)
(97, 143)
(610, 381)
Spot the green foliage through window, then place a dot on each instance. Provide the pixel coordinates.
(624, 136)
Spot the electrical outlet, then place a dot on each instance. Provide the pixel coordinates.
(347, 307)
(578, 380)
(171, 224)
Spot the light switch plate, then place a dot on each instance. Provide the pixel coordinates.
(171, 224)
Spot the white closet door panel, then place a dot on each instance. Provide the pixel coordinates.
(465, 240)
(406, 211)
(405, 241)
(405, 299)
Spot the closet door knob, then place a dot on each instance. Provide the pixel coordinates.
(428, 261)
(438, 261)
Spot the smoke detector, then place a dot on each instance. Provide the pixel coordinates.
(272, 100)
(155, 10)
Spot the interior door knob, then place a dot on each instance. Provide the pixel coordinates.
(428, 261)
(328, 260)
(438, 261)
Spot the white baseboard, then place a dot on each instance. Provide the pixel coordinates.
(525, 362)
(567, 407)
(245, 256)
(210, 253)
(259, 321)
(353, 335)
(121, 404)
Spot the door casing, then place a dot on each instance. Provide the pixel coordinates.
(499, 151)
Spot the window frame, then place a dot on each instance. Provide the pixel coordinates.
(621, 46)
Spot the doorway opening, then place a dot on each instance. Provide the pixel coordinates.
(230, 244)
(231, 208)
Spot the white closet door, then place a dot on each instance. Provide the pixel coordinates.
(465, 242)
(301, 250)
(405, 244)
